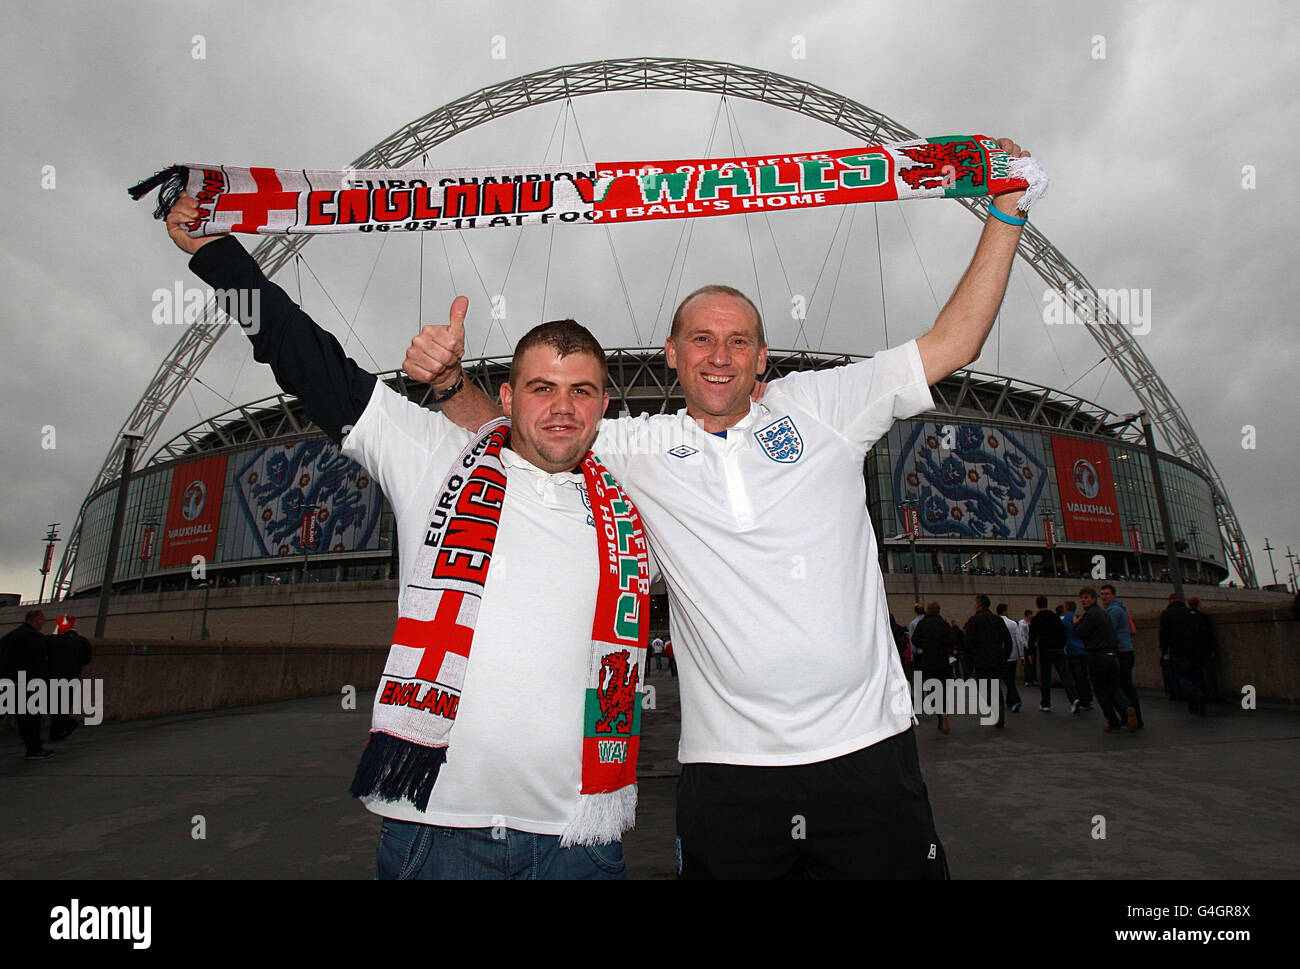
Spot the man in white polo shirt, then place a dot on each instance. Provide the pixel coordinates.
(797, 750)
(523, 762)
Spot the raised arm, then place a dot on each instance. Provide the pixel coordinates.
(964, 323)
(434, 358)
(307, 361)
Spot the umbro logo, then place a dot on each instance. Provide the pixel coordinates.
(683, 451)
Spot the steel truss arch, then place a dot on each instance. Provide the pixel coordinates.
(416, 138)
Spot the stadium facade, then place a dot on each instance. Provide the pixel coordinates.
(1005, 477)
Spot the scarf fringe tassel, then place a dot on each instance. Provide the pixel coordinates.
(172, 181)
(392, 769)
(601, 818)
(1031, 172)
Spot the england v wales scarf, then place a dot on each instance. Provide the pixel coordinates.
(291, 201)
(412, 727)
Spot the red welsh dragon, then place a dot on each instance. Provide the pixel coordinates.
(617, 691)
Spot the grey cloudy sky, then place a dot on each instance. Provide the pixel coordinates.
(1146, 147)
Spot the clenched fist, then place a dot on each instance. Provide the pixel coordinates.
(434, 355)
(1010, 201)
(185, 210)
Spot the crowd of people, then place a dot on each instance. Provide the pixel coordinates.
(1083, 647)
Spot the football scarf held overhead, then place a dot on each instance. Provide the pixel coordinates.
(412, 727)
(271, 201)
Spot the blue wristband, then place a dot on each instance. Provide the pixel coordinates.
(1002, 217)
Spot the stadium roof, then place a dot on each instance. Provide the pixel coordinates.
(641, 382)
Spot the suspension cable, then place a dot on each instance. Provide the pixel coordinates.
(848, 238)
(880, 263)
(825, 260)
(340, 313)
(627, 297)
(688, 230)
(767, 218)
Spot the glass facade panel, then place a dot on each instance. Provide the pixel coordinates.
(984, 489)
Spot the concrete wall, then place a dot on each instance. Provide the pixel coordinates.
(956, 593)
(276, 643)
(151, 678)
(363, 613)
(1259, 646)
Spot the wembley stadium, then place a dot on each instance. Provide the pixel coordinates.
(1006, 477)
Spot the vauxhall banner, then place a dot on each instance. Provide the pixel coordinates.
(193, 512)
(292, 201)
(1087, 491)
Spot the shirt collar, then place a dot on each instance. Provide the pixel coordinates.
(756, 410)
(511, 459)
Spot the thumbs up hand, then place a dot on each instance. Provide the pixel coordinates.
(434, 355)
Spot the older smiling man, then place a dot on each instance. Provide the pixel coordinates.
(797, 749)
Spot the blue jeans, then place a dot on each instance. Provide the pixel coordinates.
(409, 851)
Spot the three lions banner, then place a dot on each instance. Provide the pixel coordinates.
(271, 201)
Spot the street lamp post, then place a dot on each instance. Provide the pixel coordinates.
(51, 537)
(1269, 549)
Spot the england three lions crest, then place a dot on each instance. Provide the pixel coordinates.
(781, 441)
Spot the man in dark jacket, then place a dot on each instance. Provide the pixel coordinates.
(66, 652)
(1047, 636)
(1178, 647)
(988, 643)
(22, 650)
(1097, 631)
(1206, 647)
(932, 649)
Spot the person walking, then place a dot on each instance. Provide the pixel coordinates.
(988, 641)
(1206, 645)
(1125, 653)
(932, 642)
(1098, 634)
(1031, 653)
(67, 651)
(1076, 655)
(1179, 648)
(1013, 661)
(1047, 635)
(22, 650)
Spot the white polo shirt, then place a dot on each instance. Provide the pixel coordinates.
(516, 749)
(778, 604)
(1017, 648)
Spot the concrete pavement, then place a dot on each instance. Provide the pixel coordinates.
(1186, 798)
